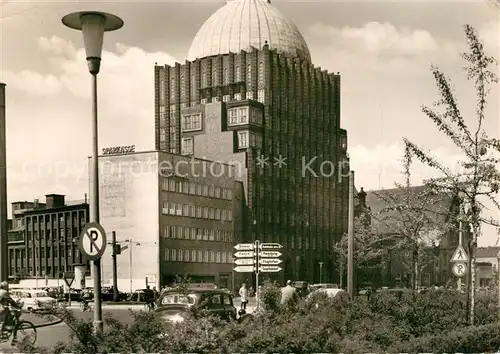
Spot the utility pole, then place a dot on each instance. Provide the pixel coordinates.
(4, 265)
(116, 252)
(350, 238)
(130, 265)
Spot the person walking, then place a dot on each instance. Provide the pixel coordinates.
(244, 296)
(288, 293)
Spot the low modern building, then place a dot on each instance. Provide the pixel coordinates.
(43, 240)
(173, 216)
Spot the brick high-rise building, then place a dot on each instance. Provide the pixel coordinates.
(250, 95)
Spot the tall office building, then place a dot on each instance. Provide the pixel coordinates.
(3, 187)
(250, 95)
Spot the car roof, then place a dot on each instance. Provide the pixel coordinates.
(197, 290)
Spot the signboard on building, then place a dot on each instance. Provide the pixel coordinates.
(117, 150)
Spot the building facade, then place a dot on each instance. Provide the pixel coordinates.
(173, 216)
(249, 95)
(43, 241)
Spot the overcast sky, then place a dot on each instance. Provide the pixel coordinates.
(382, 49)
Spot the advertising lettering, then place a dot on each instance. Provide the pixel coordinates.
(116, 150)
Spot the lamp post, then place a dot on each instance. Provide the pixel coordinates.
(321, 272)
(93, 24)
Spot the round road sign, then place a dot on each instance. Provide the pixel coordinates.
(459, 269)
(92, 241)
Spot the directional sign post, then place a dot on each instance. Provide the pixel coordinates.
(92, 241)
(257, 257)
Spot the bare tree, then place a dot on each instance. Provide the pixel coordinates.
(414, 217)
(479, 178)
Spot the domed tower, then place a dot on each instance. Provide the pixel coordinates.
(249, 95)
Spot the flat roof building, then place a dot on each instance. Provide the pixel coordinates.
(173, 215)
(43, 238)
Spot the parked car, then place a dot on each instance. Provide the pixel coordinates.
(302, 288)
(315, 287)
(137, 295)
(34, 300)
(176, 305)
(108, 294)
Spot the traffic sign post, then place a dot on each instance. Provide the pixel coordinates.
(460, 255)
(92, 241)
(459, 269)
(257, 257)
(69, 277)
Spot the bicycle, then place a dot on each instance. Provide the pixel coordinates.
(85, 306)
(149, 306)
(14, 325)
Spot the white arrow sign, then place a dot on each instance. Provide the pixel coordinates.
(244, 269)
(270, 246)
(270, 254)
(270, 269)
(244, 254)
(245, 246)
(270, 261)
(245, 261)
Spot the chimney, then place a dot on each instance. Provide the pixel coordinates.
(3, 188)
(54, 201)
(362, 197)
(36, 204)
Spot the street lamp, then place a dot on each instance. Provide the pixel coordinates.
(93, 24)
(321, 272)
(437, 260)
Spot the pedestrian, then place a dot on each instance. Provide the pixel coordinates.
(244, 296)
(288, 293)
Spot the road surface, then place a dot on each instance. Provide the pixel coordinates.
(51, 335)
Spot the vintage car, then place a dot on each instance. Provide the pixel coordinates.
(175, 305)
(34, 300)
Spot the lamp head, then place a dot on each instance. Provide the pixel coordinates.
(93, 24)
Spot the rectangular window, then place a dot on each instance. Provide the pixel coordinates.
(224, 257)
(230, 215)
(224, 215)
(178, 210)
(166, 255)
(193, 256)
(217, 257)
(198, 189)
(185, 210)
(229, 194)
(173, 255)
(171, 185)
(205, 212)
(211, 213)
(261, 96)
(238, 116)
(172, 232)
(211, 191)
(180, 255)
(217, 192)
(205, 234)
(199, 256)
(186, 233)
(179, 232)
(192, 188)
(191, 122)
(211, 257)
(217, 214)
(205, 256)
(243, 139)
(192, 211)
(193, 233)
(226, 98)
(198, 212)
(211, 235)
(187, 147)
(205, 190)
(199, 234)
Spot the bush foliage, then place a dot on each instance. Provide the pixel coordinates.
(431, 322)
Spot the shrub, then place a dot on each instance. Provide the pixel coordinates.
(432, 322)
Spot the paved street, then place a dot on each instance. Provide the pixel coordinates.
(49, 336)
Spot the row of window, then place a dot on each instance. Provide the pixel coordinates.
(62, 222)
(195, 233)
(244, 115)
(246, 139)
(193, 211)
(197, 256)
(204, 190)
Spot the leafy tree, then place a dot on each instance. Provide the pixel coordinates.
(415, 218)
(368, 246)
(479, 178)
